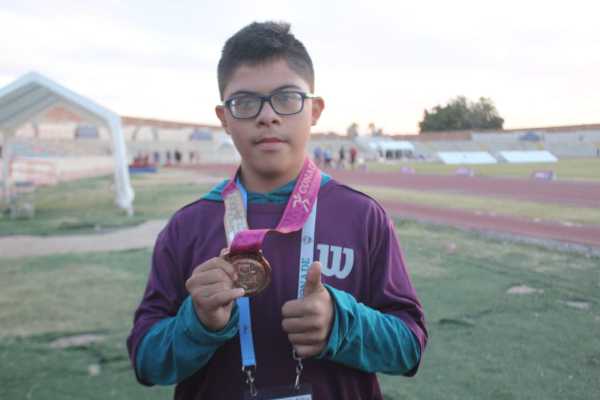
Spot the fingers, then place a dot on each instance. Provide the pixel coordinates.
(210, 277)
(215, 263)
(305, 351)
(213, 297)
(293, 309)
(307, 339)
(215, 270)
(205, 291)
(308, 321)
(226, 296)
(307, 306)
(211, 285)
(301, 325)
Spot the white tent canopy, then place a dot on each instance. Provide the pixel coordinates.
(32, 94)
(466, 157)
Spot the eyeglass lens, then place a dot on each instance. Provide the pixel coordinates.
(283, 103)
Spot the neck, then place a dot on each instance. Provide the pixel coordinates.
(256, 182)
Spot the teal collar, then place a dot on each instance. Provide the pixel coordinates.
(277, 196)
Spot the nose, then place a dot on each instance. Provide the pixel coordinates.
(267, 116)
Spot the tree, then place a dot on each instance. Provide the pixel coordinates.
(352, 130)
(374, 131)
(460, 114)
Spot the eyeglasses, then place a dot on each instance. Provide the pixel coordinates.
(284, 102)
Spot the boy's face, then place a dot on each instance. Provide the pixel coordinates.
(271, 145)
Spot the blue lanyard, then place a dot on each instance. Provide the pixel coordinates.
(243, 303)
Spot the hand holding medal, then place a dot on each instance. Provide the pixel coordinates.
(212, 289)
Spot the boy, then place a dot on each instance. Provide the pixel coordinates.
(319, 330)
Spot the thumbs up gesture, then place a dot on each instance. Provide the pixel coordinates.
(307, 321)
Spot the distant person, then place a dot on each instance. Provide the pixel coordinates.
(319, 329)
(177, 157)
(353, 155)
(318, 155)
(327, 158)
(168, 157)
(156, 158)
(342, 158)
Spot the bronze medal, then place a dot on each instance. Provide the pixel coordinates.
(253, 271)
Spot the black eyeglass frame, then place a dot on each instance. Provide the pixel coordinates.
(267, 98)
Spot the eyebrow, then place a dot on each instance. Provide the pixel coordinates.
(283, 87)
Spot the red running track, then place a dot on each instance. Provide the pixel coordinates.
(582, 194)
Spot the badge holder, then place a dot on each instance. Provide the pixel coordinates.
(249, 373)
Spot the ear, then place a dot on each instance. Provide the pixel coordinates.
(220, 111)
(318, 105)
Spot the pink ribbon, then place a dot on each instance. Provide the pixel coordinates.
(294, 216)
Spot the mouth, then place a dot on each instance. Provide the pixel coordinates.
(269, 140)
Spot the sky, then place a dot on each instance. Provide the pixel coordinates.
(381, 62)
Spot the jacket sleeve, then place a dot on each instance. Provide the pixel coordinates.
(385, 332)
(168, 342)
(364, 338)
(176, 347)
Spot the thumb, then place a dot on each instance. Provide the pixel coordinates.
(313, 279)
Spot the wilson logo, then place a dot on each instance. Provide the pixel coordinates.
(335, 267)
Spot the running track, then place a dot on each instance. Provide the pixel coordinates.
(578, 194)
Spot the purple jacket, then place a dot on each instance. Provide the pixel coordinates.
(356, 243)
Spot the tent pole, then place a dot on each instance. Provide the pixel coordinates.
(6, 156)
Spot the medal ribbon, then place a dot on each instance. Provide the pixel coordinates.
(296, 212)
(300, 212)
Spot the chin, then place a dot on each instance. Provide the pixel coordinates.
(272, 169)
(274, 166)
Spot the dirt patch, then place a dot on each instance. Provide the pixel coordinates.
(524, 289)
(76, 341)
(93, 369)
(580, 305)
(136, 237)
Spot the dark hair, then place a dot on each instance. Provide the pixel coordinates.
(259, 43)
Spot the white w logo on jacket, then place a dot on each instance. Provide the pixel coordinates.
(335, 269)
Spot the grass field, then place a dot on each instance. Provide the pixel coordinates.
(586, 169)
(484, 343)
(513, 207)
(88, 205)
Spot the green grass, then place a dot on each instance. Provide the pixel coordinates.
(573, 169)
(88, 205)
(44, 298)
(484, 343)
(527, 209)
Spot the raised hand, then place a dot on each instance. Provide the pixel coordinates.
(212, 291)
(307, 321)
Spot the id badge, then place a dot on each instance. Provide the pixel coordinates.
(304, 392)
